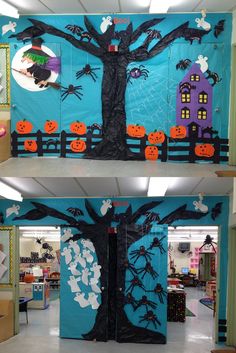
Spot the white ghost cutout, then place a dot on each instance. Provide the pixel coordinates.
(92, 299)
(73, 283)
(79, 259)
(66, 235)
(73, 245)
(106, 22)
(202, 61)
(9, 27)
(73, 269)
(105, 207)
(67, 253)
(88, 256)
(96, 269)
(85, 274)
(14, 209)
(93, 284)
(88, 244)
(81, 300)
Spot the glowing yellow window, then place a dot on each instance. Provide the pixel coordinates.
(203, 98)
(185, 113)
(195, 78)
(202, 114)
(185, 98)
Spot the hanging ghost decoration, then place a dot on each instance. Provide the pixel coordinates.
(199, 206)
(14, 209)
(105, 207)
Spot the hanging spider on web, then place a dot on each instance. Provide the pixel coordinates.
(147, 269)
(128, 266)
(161, 293)
(141, 252)
(183, 64)
(135, 282)
(87, 70)
(66, 91)
(150, 317)
(157, 243)
(130, 300)
(137, 72)
(144, 301)
(153, 33)
(209, 242)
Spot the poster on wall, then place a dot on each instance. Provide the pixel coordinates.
(4, 76)
(6, 256)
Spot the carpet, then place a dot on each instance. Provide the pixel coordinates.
(208, 302)
(54, 294)
(189, 313)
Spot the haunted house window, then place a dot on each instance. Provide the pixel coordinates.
(202, 114)
(195, 77)
(203, 97)
(185, 97)
(185, 113)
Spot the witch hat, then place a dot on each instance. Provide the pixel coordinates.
(35, 53)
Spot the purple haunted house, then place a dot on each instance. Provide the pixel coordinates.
(194, 103)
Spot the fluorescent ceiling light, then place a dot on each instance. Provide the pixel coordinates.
(162, 6)
(8, 10)
(8, 192)
(35, 228)
(158, 186)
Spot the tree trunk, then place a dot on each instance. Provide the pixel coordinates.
(113, 144)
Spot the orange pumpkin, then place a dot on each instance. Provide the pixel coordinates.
(156, 137)
(79, 128)
(151, 153)
(50, 126)
(78, 146)
(30, 145)
(205, 150)
(136, 131)
(178, 132)
(24, 127)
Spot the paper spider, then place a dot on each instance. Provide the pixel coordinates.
(150, 317)
(209, 241)
(128, 266)
(137, 72)
(71, 90)
(136, 254)
(135, 282)
(183, 64)
(88, 71)
(157, 243)
(129, 299)
(147, 269)
(160, 292)
(144, 301)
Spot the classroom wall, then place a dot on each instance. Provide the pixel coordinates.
(182, 259)
(29, 245)
(234, 28)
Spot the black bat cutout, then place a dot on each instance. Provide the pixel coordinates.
(216, 210)
(74, 29)
(181, 213)
(219, 28)
(75, 211)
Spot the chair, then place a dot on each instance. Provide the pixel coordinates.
(6, 320)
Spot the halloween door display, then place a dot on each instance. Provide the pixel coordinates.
(117, 80)
(142, 285)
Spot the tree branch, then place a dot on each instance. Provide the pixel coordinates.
(107, 219)
(143, 27)
(88, 47)
(142, 53)
(126, 38)
(142, 210)
(104, 39)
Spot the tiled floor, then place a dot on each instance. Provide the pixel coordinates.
(51, 167)
(41, 335)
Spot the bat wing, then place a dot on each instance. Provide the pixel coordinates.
(74, 29)
(216, 210)
(75, 211)
(219, 28)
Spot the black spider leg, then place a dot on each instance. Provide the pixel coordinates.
(93, 75)
(161, 296)
(212, 244)
(78, 94)
(80, 74)
(144, 319)
(65, 95)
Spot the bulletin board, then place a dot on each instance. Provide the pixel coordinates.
(4, 76)
(6, 259)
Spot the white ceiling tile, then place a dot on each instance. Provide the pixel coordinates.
(28, 187)
(182, 186)
(214, 186)
(101, 6)
(216, 5)
(135, 6)
(106, 187)
(68, 6)
(62, 187)
(133, 186)
(30, 6)
(184, 6)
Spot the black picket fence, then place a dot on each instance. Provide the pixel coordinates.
(176, 150)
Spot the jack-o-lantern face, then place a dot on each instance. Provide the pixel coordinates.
(78, 146)
(3, 130)
(156, 137)
(205, 150)
(30, 145)
(50, 126)
(136, 131)
(178, 132)
(79, 128)
(24, 127)
(151, 153)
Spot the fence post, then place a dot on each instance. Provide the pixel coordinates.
(63, 143)
(39, 140)
(89, 137)
(216, 158)
(143, 141)
(14, 144)
(164, 150)
(192, 156)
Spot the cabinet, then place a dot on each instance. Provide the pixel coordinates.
(176, 306)
(39, 292)
(54, 283)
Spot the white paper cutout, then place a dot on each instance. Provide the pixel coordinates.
(199, 206)
(202, 61)
(73, 283)
(85, 274)
(201, 23)
(66, 235)
(106, 22)
(88, 256)
(88, 244)
(67, 253)
(92, 298)
(11, 26)
(105, 207)
(96, 269)
(79, 259)
(14, 209)
(3, 268)
(81, 300)
(74, 245)
(93, 284)
(2, 256)
(73, 269)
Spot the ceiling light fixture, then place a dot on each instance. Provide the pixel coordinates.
(162, 6)
(9, 193)
(158, 186)
(8, 10)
